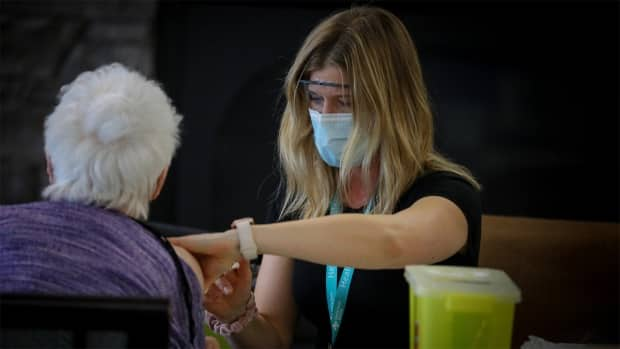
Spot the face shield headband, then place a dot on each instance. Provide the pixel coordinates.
(322, 83)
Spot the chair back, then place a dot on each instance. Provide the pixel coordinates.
(48, 321)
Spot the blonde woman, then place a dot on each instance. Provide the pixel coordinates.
(364, 189)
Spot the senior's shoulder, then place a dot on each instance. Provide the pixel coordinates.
(70, 221)
(31, 211)
(47, 212)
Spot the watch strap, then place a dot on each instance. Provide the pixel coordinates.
(247, 245)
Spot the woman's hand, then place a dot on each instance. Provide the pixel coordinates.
(216, 252)
(230, 294)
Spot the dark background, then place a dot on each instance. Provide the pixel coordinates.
(525, 94)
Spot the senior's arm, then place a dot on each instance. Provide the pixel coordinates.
(193, 264)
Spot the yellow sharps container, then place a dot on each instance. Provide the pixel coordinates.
(460, 307)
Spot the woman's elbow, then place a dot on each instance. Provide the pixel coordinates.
(405, 247)
(394, 248)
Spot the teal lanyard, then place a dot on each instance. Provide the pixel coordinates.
(337, 296)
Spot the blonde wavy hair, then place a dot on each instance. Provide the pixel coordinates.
(392, 115)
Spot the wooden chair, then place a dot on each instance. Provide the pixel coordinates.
(567, 272)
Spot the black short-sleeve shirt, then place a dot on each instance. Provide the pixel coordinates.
(377, 309)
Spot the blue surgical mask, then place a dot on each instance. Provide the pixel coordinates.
(331, 132)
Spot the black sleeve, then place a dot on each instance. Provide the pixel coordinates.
(464, 195)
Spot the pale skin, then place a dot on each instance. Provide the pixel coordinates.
(430, 230)
(188, 258)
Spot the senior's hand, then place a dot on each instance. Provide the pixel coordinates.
(216, 252)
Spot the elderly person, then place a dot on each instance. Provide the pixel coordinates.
(108, 144)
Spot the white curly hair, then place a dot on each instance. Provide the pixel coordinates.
(109, 138)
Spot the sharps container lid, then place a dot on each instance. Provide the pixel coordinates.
(439, 280)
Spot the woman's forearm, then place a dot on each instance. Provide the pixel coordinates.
(362, 241)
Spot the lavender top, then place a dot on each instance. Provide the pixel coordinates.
(73, 249)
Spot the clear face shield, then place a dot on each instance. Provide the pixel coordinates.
(327, 97)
